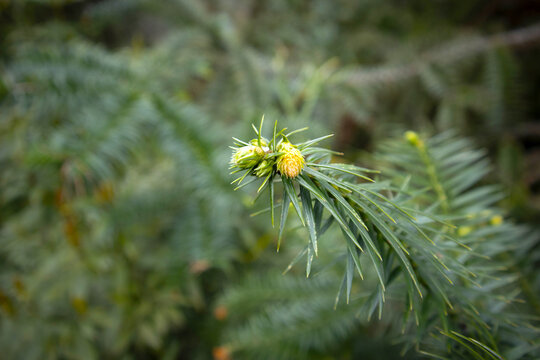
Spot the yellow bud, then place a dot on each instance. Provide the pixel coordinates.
(264, 142)
(291, 162)
(496, 220)
(247, 156)
(413, 139)
(464, 230)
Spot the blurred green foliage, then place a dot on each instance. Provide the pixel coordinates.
(121, 237)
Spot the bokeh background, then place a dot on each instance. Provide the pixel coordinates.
(120, 234)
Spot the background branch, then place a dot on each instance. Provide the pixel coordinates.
(454, 51)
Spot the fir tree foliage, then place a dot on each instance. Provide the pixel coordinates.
(464, 296)
(121, 236)
(91, 152)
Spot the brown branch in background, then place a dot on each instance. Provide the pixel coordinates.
(451, 52)
(517, 38)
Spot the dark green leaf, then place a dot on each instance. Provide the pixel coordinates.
(284, 212)
(308, 215)
(289, 188)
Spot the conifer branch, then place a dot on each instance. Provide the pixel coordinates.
(452, 52)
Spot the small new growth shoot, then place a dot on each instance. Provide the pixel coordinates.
(325, 193)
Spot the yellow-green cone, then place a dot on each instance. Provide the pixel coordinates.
(413, 139)
(291, 162)
(247, 156)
